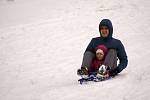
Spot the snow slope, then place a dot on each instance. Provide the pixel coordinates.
(42, 44)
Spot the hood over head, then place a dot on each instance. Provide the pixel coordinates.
(107, 23)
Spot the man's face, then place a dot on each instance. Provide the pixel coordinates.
(104, 31)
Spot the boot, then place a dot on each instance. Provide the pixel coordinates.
(82, 71)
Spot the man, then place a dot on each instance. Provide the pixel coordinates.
(115, 47)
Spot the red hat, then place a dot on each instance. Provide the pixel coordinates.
(102, 47)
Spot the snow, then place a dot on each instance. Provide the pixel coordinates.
(42, 44)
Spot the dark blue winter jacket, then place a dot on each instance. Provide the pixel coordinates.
(110, 43)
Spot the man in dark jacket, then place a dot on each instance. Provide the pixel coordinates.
(116, 48)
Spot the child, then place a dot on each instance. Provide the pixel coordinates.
(97, 63)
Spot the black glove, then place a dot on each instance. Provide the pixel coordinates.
(113, 72)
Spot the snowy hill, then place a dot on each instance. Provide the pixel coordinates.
(42, 44)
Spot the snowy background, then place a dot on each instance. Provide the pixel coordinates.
(42, 44)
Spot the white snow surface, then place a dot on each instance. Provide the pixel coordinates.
(42, 44)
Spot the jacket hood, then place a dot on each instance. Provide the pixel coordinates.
(108, 23)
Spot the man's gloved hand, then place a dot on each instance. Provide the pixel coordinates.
(113, 72)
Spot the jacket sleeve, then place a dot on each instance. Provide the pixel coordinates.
(123, 60)
(90, 47)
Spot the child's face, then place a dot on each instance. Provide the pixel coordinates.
(100, 54)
